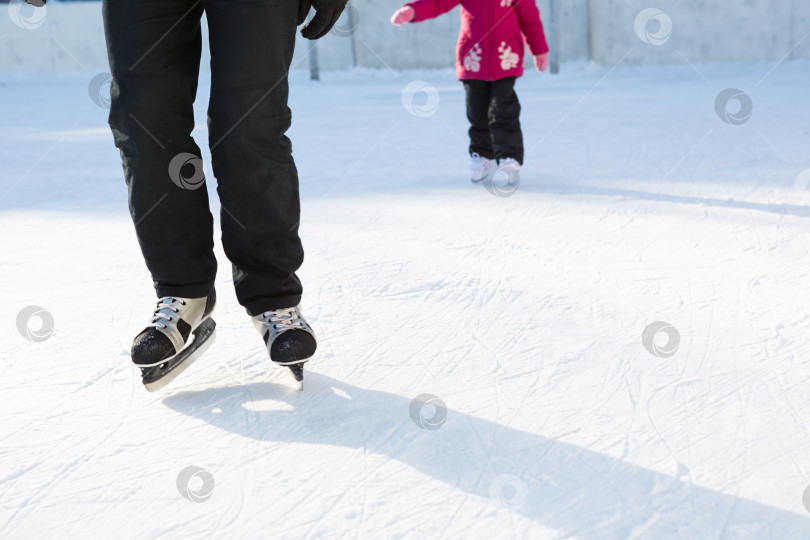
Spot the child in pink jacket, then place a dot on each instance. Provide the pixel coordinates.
(489, 57)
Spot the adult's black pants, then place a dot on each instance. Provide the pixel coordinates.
(493, 110)
(154, 50)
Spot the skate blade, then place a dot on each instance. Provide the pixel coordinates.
(203, 338)
(297, 371)
(293, 362)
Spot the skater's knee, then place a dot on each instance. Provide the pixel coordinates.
(143, 106)
(235, 128)
(252, 110)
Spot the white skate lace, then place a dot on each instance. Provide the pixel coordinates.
(167, 302)
(282, 318)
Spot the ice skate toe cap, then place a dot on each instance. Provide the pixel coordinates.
(292, 346)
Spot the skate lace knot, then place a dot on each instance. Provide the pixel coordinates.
(165, 305)
(282, 318)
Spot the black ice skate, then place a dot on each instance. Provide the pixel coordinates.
(177, 334)
(289, 339)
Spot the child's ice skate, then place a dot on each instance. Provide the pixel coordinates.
(481, 168)
(511, 168)
(178, 332)
(289, 339)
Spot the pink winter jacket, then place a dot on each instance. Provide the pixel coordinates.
(490, 45)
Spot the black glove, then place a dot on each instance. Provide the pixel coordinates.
(327, 13)
(37, 3)
(303, 10)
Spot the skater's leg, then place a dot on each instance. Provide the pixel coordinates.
(154, 53)
(478, 99)
(251, 50)
(504, 120)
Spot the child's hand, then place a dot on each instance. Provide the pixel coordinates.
(541, 62)
(403, 15)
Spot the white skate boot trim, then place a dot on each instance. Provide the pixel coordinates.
(169, 310)
(481, 168)
(278, 321)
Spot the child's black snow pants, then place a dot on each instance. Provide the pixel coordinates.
(154, 51)
(494, 114)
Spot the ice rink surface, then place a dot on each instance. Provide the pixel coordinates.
(522, 314)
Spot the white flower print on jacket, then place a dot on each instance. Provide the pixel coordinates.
(472, 60)
(486, 24)
(508, 58)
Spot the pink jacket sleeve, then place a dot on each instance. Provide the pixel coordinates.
(531, 27)
(428, 9)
